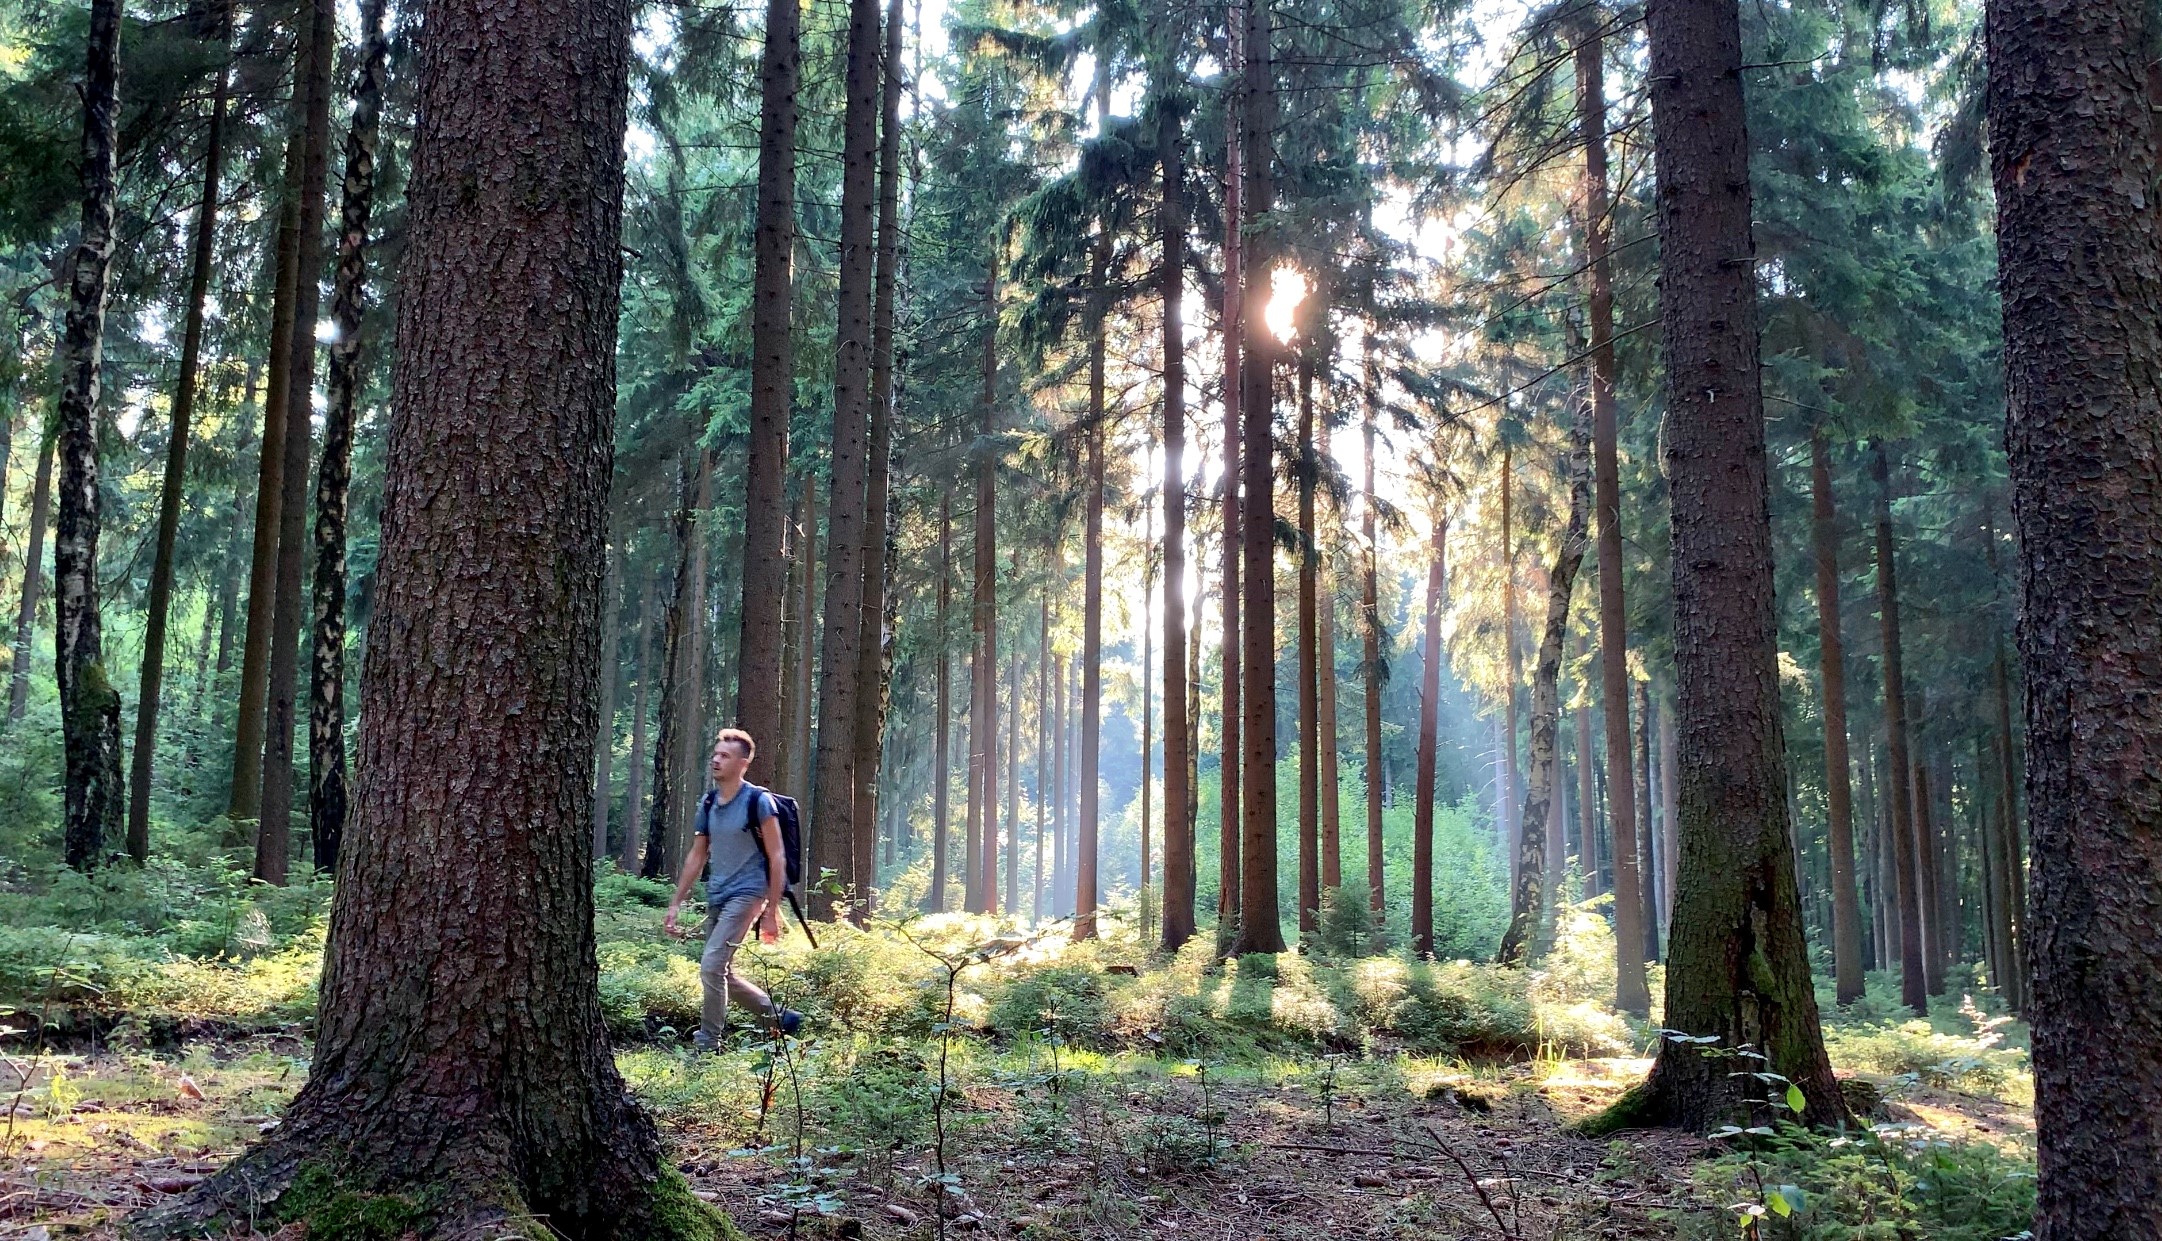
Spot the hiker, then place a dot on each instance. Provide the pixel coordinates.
(739, 830)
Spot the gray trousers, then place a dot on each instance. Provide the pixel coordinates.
(727, 927)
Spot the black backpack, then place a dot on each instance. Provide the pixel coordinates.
(791, 820)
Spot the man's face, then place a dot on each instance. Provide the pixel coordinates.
(729, 761)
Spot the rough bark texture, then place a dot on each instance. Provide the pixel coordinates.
(326, 698)
(1529, 898)
(2073, 148)
(759, 669)
(1260, 928)
(461, 1056)
(274, 835)
(41, 503)
(176, 472)
(1422, 805)
(1233, 331)
(1738, 971)
(1631, 992)
(841, 644)
(1179, 923)
(89, 705)
(1838, 795)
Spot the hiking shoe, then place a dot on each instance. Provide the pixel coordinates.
(790, 1021)
(700, 1043)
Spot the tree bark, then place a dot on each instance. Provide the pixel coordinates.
(1632, 993)
(89, 705)
(461, 1055)
(1509, 821)
(1647, 857)
(1373, 673)
(41, 499)
(983, 624)
(2073, 146)
(841, 645)
(634, 776)
(1936, 950)
(1422, 806)
(1899, 824)
(668, 668)
(873, 662)
(687, 784)
(759, 670)
(326, 699)
(1260, 928)
(941, 757)
(1013, 783)
(176, 469)
(1587, 802)
(1332, 799)
(1529, 898)
(1092, 556)
(1233, 325)
(1309, 667)
(1838, 794)
(1179, 843)
(1738, 970)
(1044, 732)
(802, 757)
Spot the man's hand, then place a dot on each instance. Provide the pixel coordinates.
(769, 925)
(669, 923)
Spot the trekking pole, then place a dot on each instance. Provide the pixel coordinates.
(801, 921)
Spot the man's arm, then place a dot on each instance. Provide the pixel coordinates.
(769, 836)
(693, 865)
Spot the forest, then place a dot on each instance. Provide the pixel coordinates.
(1388, 618)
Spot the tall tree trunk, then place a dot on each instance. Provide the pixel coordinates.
(658, 861)
(871, 669)
(1587, 801)
(89, 705)
(1309, 666)
(2073, 144)
(1738, 970)
(1899, 822)
(802, 759)
(1529, 898)
(326, 699)
(176, 469)
(1670, 803)
(1043, 748)
(1061, 775)
(941, 757)
(274, 835)
(634, 775)
(1013, 782)
(604, 746)
(41, 500)
(1332, 798)
(983, 669)
(833, 791)
(688, 672)
(491, 1091)
(759, 670)
(1148, 718)
(1647, 860)
(1372, 674)
(1838, 795)
(1422, 806)
(1632, 993)
(1233, 331)
(1935, 933)
(1260, 928)
(1179, 843)
(2010, 848)
(1511, 823)
(1086, 857)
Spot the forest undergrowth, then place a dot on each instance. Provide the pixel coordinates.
(963, 1074)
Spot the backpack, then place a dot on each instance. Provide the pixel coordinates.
(791, 823)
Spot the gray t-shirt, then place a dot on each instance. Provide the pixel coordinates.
(736, 857)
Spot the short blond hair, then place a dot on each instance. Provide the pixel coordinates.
(741, 738)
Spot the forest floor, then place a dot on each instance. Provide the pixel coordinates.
(1122, 1149)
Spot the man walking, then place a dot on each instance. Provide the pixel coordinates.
(739, 830)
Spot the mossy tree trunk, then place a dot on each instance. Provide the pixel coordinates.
(1738, 970)
(461, 1061)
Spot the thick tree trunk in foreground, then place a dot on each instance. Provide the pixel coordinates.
(89, 705)
(1260, 927)
(2073, 141)
(176, 472)
(1839, 796)
(461, 1057)
(1738, 970)
(326, 698)
(1422, 806)
(41, 502)
(1178, 728)
(759, 700)
(841, 645)
(1529, 898)
(274, 834)
(1899, 822)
